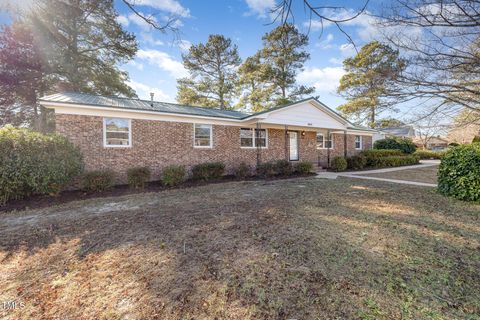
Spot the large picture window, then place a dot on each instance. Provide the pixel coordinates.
(252, 138)
(323, 142)
(202, 135)
(117, 132)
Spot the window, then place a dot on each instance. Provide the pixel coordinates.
(117, 132)
(358, 142)
(323, 142)
(252, 138)
(202, 136)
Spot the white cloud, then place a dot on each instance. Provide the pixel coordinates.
(132, 17)
(164, 61)
(326, 43)
(347, 49)
(135, 64)
(148, 38)
(260, 7)
(123, 20)
(184, 45)
(323, 79)
(335, 61)
(171, 6)
(143, 92)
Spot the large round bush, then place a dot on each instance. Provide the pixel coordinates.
(34, 163)
(459, 173)
(404, 144)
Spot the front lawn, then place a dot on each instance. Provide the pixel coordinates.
(425, 174)
(285, 249)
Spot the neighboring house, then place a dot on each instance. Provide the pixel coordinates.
(464, 134)
(433, 143)
(405, 131)
(119, 133)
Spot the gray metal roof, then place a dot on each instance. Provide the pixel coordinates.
(137, 104)
(403, 131)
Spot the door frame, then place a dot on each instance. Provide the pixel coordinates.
(298, 146)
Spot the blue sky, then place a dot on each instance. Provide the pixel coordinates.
(158, 61)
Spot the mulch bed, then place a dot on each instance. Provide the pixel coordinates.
(42, 201)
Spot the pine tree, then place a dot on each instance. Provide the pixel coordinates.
(369, 81)
(84, 44)
(284, 53)
(212, 67)
(254, 86)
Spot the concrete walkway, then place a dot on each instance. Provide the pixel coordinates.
(360, 174)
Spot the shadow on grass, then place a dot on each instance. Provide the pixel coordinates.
(280, 249)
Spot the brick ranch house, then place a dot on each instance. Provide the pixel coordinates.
(120, 133)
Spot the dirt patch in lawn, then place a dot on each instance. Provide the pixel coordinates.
(42, 201)
(284, 249)
(425, 174)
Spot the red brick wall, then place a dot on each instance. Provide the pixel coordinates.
(157, 144)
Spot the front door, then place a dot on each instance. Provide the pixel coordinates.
(293, 145)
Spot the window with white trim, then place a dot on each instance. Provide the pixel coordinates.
(252, 138)
(117, 132)
(202, 135)
(358, 142)
(323, 142)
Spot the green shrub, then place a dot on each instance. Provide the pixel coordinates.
(339, 164)
(266, 169)
(427, 154)
(98, 180)
(453, 144)
(404, 144)
(372, 155)
(208, 171)
(303, 167)
(459, 173)
(137, 177)
(283, 167)
(174, 175)
(395, 161)
(34, 163)
(243, 171)
(356, 162)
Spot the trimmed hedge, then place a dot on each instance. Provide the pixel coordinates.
(303, 167)
(372, 155)
(283, 168)
(208, 171)
(266, 169)
(459, 173)
(404, 144)
(339, 164)
(395, 161)
(137, 177)
(427, 154)
(34, 163)
(174, 175)
(98, 180)
(243, 171)
(356, 162)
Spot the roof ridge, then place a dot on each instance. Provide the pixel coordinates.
(147, 101)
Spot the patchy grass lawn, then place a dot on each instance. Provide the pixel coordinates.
(286, 249)
(426, 174)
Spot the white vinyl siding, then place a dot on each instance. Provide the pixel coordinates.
(202, 135)
(117, 132)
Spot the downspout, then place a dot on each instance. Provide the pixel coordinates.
(257, 136)
(345, 143)
(287, 142)
(328, 148)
